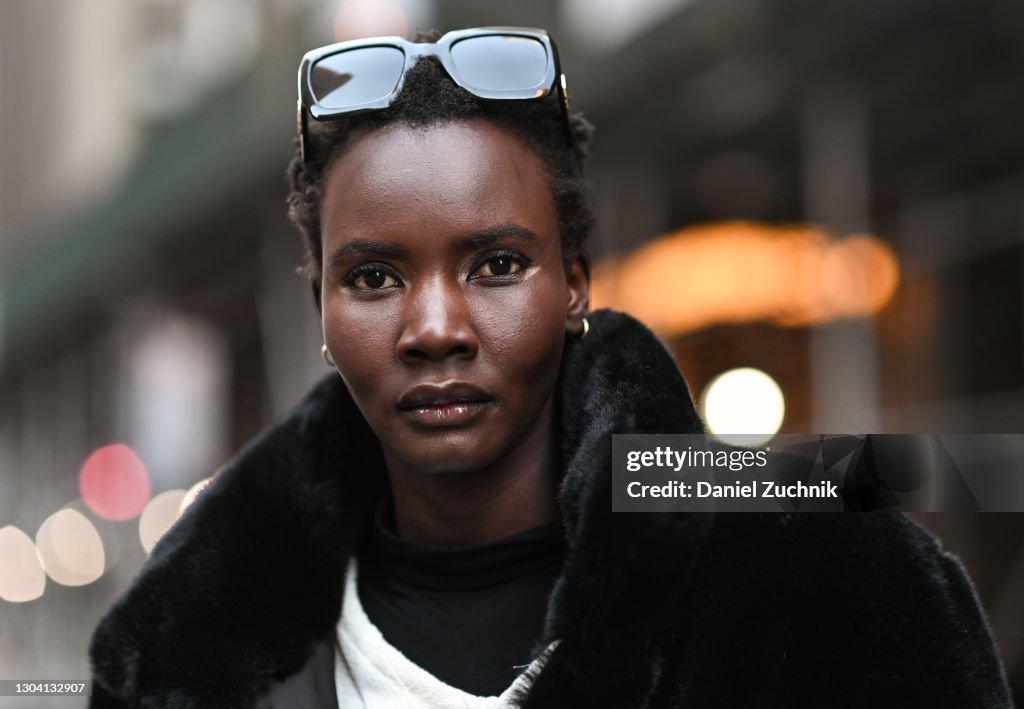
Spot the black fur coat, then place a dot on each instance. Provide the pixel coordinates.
(238, 604)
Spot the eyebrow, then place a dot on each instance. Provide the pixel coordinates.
(475, 240)
(367, 247)
(487, 237)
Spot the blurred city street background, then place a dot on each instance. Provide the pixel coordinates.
(818, 205)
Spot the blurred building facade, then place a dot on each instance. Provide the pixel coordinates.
(148, 286)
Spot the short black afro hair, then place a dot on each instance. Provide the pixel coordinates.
(429, 96)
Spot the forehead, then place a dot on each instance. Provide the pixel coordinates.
(455, 176)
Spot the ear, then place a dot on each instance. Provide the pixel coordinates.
(577, 276)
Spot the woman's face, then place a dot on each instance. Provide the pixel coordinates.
(445, 298)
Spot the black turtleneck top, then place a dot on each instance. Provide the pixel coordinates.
(471, 617)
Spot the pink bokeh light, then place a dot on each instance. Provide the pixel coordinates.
(114, 482)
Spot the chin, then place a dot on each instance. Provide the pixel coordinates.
(448, 457)
(450, 464)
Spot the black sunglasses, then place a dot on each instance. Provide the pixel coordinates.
(500, 63)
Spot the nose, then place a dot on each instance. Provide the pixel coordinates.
(436, 324)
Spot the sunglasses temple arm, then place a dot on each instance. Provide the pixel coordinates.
(563, 100)
(301, 123)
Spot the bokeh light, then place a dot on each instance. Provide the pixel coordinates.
(370, 18)
(193, 493)
(22, 578)
(106, 530)
(743, 406)
(742, 272)
(859, 275)
(160, 514)
(70, 548)
(114, 482)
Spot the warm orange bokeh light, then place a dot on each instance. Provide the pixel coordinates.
(738, 272)
(861, 275)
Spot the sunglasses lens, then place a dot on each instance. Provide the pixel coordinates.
(356, 77)
(501, 63)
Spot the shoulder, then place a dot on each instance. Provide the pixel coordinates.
(858, 602)
(877, 560)
(243, 587)
(874, 550)
(879, 539)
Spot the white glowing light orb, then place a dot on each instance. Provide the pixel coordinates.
(71, 548)
(22, 577)
(160, 515)
(743, 403)
(106, 530)
(193, 493)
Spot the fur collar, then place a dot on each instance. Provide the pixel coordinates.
(250, 579)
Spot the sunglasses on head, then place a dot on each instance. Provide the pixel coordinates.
(497, 63)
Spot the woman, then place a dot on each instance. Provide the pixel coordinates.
(433, 527)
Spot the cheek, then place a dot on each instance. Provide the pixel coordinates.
(526, 334)
(361, 342)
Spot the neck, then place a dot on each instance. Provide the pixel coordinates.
(470, 508)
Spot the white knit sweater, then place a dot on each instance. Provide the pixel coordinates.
(370, 673)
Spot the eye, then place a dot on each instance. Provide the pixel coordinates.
(501, 266)
(371, 277)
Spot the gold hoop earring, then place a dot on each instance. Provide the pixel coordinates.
(326, 356)
(586, 329)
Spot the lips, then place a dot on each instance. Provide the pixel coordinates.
(447, 404)
(425, 395)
